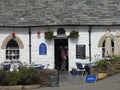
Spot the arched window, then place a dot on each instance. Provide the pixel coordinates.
(106, 42)
(61, 31)
(103, 47)
(42, 49)
(12, 50)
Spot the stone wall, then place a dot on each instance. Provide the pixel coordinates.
(113, 67)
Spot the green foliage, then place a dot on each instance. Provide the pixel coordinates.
(12, 78)
(3, 74)
(26, 76)
(115, 58)
(74, 34)
(101, 63)
(49, 35)
(9, 78)
(29, 76)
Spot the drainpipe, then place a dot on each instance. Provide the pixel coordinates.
(90, 27)
(30, 45)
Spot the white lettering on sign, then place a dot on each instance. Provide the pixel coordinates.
(90, 78)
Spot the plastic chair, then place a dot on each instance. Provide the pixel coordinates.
(80, 68)
(6, 67)
(37, 66)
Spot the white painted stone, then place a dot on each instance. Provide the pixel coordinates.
(22, 33)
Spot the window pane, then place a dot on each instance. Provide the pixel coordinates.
(12, 50)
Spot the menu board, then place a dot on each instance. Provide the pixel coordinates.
(80, 51)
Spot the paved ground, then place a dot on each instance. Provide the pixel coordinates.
(67, 83)
(67, 79)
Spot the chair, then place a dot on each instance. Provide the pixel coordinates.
(6, 67)
(80, 69)
(37, 66)
(87, 69)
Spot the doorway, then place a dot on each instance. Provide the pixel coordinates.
(58, 60)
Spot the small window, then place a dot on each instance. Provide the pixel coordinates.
(12, 53)
(60, 31)
(42, 49)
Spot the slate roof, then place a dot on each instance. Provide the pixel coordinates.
(59, 12)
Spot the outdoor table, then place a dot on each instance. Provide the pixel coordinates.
(37, 66)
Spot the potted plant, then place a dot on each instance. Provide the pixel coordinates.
(74, 34)
(49, 35)
(73, 71)
(102, 67)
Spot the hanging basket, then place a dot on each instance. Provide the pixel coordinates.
(74, 34)
(49, 35)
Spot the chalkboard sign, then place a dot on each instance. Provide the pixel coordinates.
(42, 49)
(80, 51)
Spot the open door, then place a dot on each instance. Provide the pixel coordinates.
(58, 59)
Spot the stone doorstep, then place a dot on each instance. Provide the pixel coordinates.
(20, 87)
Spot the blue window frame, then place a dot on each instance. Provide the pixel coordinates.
(42, 49)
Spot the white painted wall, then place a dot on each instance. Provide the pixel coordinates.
(96, 34)
(23, 35)
(42, 59)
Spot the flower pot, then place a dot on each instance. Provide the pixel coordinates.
(102, 75)
(74, 34)
(73, 72)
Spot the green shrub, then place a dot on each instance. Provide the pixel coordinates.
(29, 76)
(12, 78)
(115, 58)
(101, 63)
(9, 78)
(26, 76)
(3, 74)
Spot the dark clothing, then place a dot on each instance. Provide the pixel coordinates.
(87, 69)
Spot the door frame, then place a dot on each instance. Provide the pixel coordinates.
(57, 57)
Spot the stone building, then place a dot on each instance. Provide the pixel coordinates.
(24, 23)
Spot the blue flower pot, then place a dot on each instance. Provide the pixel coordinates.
(73, 72)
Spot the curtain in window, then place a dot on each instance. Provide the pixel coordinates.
(108, 44)
(117, 43)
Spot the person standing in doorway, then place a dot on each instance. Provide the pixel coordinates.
(63, 57)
